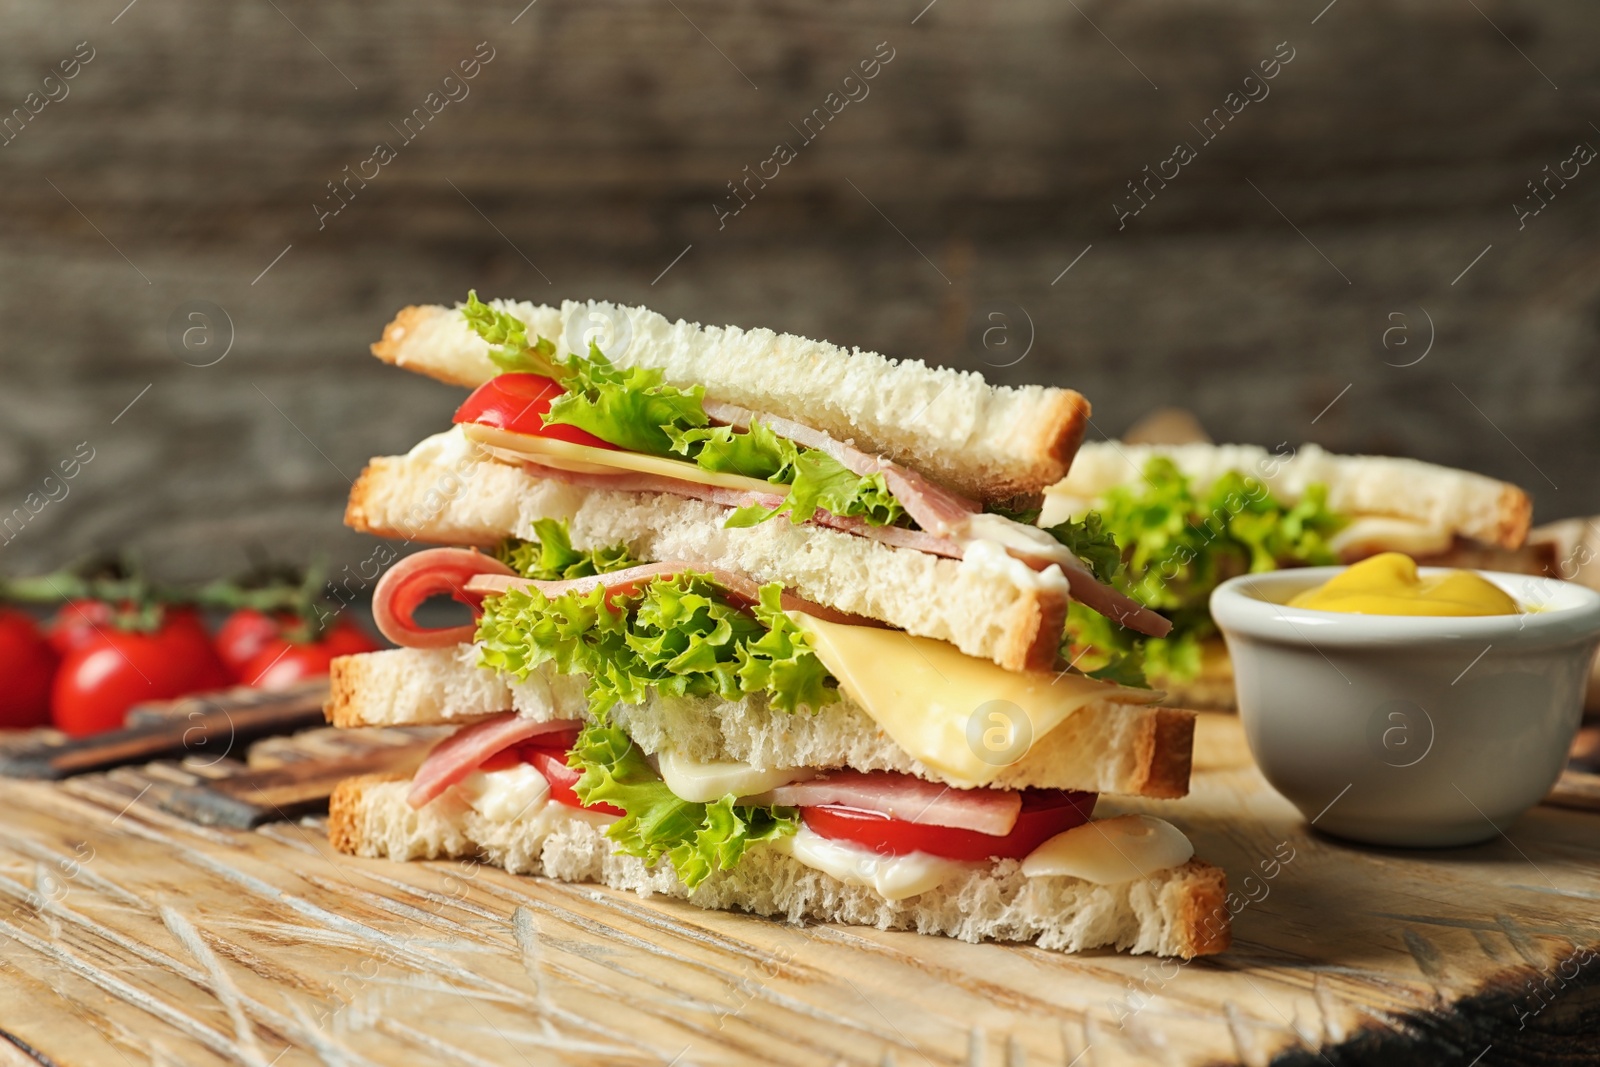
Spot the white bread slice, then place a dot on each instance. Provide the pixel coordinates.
(1107, 747)
(446, 490)
(990, 442)
(1176, 912)
(1453, 502)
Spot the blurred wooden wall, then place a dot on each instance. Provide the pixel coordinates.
(987, 155)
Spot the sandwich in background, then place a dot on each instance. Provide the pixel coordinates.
(759, 624)
(1190, 514)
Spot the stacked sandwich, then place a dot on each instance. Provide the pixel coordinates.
(1191, 515)
(761, 623)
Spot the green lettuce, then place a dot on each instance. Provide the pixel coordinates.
(1090, 541)
(1179, 544)
(509, 338)
(552, 558)
(676, 635)
(634, 408)
(695, 838)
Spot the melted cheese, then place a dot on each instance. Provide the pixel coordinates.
(1025, 540)
(892, 877)
(504, 796)
(704, 783)
(1111, 851)
(993, 561)
(966, 718)
(1369, 533)
(586, 459)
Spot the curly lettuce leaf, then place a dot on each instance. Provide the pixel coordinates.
(695, 838)
(551, 557)
(1090, 541)
(1180, 544)
(675, 635)
(820, 481)
(631, 408)
(754, 453)
(509, 338)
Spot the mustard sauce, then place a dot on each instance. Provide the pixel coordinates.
(1387, 584)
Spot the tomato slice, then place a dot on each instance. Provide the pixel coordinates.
(1045, 813)
(517, 403)
(552, 763)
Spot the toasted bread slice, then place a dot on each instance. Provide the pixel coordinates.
(1177, 912)
(1104, 747)
(447, 491)
(989, 442)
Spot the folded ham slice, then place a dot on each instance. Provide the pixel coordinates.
(416, 578)
(934, 508)
(903, 797)
(469, 747)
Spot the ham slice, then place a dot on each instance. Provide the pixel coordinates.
(904, 797)
(438, 571)
(934, 508)
(470, 747)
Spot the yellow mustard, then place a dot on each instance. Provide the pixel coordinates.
(1388, 584)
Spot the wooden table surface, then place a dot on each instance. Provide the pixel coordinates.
(128, 935)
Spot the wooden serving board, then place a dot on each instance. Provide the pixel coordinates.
(128, 932)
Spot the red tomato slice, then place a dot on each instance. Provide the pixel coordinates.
(1045, 813)
(552, 763)
(517, 403)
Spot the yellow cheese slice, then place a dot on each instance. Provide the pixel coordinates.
(964, 717)
(587, 459)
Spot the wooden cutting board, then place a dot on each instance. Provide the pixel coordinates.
(127, 932)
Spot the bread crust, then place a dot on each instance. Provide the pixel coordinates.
(1167, 751)
(1204, 922)
(1178, 912)
(345, 831)
(1516, 517)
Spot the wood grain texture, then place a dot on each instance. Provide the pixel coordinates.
(124, 930)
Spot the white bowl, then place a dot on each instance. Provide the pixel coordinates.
(1404, 730)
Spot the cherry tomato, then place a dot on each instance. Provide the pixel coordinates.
(281, 663)
(1045, 813)
(244, 634)
(517, 403)
(77, 623)
(99, 682)
(551, 761)
(27, 666)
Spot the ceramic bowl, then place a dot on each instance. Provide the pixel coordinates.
(1402, 730)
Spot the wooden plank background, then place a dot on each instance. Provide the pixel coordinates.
(1260, 287)
(126, 931)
